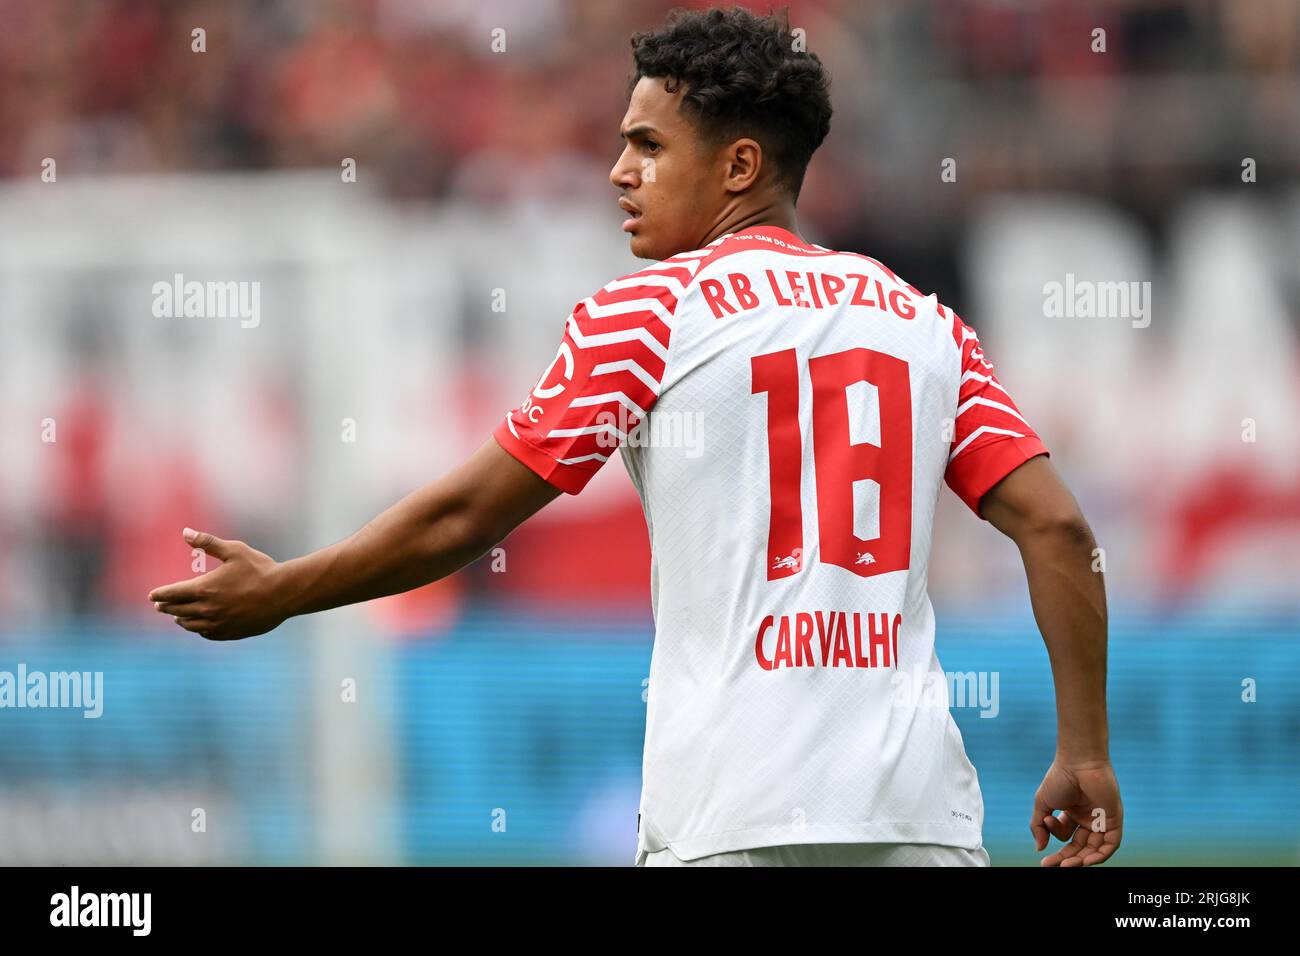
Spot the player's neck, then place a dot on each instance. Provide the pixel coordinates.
(781, 216)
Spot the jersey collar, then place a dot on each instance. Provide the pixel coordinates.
(772, 232)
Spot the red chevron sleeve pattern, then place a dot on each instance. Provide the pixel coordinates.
(604, 379)
(991, 437)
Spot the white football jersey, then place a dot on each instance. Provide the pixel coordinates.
(787, 414)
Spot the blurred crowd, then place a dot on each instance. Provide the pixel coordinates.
(507, 101)
(500, 99)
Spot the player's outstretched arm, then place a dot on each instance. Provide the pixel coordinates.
(429, 534)
(1033, 507)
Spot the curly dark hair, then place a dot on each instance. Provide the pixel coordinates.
(743, 77)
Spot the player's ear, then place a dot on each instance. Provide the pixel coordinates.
(744, 161)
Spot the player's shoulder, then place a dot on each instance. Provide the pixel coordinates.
(652, 292)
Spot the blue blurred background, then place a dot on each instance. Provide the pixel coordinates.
(497, 717)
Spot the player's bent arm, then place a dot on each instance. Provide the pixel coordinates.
(1034, 508)
(431, 533)
(428, 535)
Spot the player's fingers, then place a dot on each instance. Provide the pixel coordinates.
(1060, 827)
(1074, 852)
(179, 592)
(185, 592)
(179, 609)
(1065, 854)
(1060, 858)
(1098, 847)
(198, 625)
(1037, 823)
(217, 547)
(1099, 854)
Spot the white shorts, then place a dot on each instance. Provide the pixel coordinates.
(830, 854)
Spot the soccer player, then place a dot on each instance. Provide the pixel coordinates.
(790, 541)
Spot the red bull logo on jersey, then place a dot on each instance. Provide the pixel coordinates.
(790, 561)
(827, 639)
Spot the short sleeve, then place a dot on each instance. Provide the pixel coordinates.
(604, 379)
(991, 438)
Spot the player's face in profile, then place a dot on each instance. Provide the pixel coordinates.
(663, 175)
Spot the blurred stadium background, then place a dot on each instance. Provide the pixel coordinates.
(498, 715)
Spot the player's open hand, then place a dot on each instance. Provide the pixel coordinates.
(234, 601)
(1093, 818)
